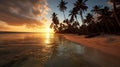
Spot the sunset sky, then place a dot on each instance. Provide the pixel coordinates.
(33, 15)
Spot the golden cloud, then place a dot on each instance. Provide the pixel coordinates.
(30, 13)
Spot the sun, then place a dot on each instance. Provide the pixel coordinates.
(44, 30)
(49, 30)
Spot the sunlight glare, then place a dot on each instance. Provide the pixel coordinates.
(48, 30)
(47, 41)
(48, 37)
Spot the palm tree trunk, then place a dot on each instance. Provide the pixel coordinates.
(64, 15)
(76, 19)
(81, 17)
(107, 28)
(114, 11)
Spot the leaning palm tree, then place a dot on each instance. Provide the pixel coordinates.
(81, 7)
(62, 7)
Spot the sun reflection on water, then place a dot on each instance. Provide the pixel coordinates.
(47, 40)
(48, 35)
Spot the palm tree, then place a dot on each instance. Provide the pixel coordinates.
(81, 7)
(105, 18)
(55, 19)
(88, 22)
(73, 14)
(55, 22)
(62, 7)
(115, 10)
(115, 13)
(96, 9)
(62, 28)
(89, 18)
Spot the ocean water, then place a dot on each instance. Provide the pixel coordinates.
(49, 50)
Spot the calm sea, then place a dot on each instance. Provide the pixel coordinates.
(49, 50)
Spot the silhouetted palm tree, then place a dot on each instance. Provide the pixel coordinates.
(96, 9)
(88, 21)
(62, 27)
(55, 19)
(73, 14)
(105, 18)
(55, 22)
(115, 2)
(89, 18)
(62, 7)
(81, 7)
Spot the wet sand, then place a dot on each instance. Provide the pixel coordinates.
(109, 44)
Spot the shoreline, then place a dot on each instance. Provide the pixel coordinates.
(109, 44)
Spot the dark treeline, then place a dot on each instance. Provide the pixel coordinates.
(101, 19)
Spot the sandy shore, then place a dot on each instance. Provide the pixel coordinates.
(106, 43)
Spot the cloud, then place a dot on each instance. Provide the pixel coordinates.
(23, 12)
(3, 28)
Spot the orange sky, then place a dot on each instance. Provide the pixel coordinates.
(23, 28)
(24, 15)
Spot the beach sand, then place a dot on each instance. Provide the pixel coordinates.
(106, 43)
